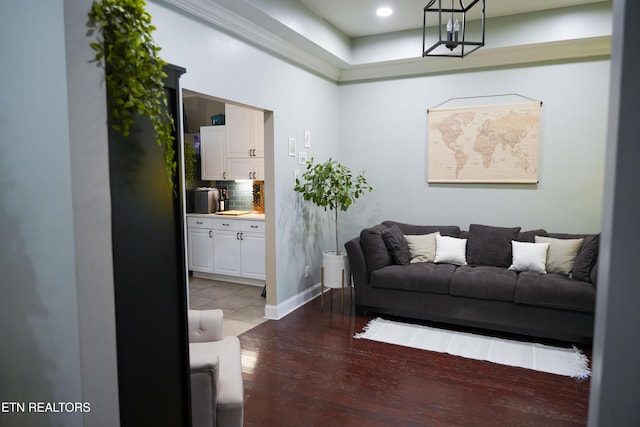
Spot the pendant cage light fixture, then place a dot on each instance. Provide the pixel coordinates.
(454, 32)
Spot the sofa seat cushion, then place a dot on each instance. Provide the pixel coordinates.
(555, 291)
(230, 407)
(484, 282)
(420, 277)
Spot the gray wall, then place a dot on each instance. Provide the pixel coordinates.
(615, 396)
(38, 310)
(57, 309)
(92, 220)
(383, 129)
(224, 67)
(57, 319)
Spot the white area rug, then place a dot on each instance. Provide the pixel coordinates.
(570, 362)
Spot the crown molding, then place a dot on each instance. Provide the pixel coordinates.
(566, 50)
(256, 35)
(301, 52)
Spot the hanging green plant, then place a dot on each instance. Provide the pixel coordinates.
(190, 162)
(133, 70)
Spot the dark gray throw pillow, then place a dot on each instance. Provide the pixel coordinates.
(395, 241)
(487, 245)
(375, 250)
(586, 258)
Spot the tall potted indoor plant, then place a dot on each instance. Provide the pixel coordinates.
(332, 186)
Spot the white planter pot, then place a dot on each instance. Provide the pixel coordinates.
(336, 271)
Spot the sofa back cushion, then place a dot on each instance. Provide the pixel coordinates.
(489, 245)
(530, 235)
(445, 230)
(376, 253)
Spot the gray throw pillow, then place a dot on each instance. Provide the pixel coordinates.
(395, 241)
(489, 245)
(586, 258)
(375, 250)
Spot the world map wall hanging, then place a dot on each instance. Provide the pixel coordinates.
(484, 143)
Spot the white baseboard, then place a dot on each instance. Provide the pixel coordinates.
(277, 312)
(233, 279)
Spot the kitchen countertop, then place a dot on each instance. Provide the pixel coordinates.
(250, 216)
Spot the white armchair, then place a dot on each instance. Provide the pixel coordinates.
(217, 390)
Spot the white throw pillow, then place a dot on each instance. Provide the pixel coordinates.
(529, 256)
(422, 247)
(561, 255)
(451, 250)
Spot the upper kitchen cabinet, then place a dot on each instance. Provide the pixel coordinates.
(212, 142)
(245, 132)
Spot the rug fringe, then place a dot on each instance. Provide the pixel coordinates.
(360, 335)
(583, 370)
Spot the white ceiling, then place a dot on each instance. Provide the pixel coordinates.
(357, 18)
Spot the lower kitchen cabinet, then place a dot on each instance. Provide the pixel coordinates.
(200, 244)
(228, 247)
(252, 250)
(238, 248)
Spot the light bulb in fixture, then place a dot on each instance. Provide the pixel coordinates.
(384, 11)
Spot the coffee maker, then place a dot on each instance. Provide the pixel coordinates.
(207, 200)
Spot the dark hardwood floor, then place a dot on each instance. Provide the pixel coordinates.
(307, 370)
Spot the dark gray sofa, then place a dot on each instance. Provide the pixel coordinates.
(485, 293)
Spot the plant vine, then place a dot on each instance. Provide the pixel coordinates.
(133, 70)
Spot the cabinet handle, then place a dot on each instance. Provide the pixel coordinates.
(225, 225)
(199, 222)
(249, 175)
(210, 234)
(224, 175)
(241, 236)
(254, 175)
(237, 236)
(254, 226)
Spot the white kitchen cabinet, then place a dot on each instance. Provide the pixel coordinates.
(252, 250)
(245, 132)
(235, 150)
(200, 244)
(245, 168)
(226, 247)
(239, 248)
(212, 146)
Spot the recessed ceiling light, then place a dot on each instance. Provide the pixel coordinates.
(384, 11)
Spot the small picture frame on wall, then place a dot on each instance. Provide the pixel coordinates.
(307, 139)
(292, 147)
(302, 158)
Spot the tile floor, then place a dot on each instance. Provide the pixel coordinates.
(242, 305)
